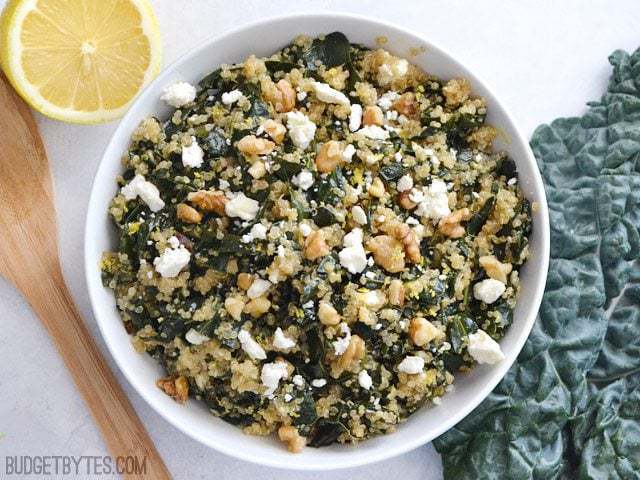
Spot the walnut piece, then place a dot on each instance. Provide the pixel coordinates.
(410, 242)
(396, 293)
(208, 201)
(188, 214)
(252, 145)
(388, 252)
(282, 96)
(315, 246)
(177, 387)
(407, 105)
(422, 331)
(289, 434)
(494, 268)
(329, 156)
(275, 130)
(450, 225)
(354, 353)
(372, 115)
(405, 201)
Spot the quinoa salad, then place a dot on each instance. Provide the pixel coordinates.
(314, 244)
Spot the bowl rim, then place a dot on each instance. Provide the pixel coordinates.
(542, 252)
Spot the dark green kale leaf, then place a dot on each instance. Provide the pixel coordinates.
(480, 218)
(274, 66)
(392, 171)
(216, 144)
(460, 327)
(329, 189)
(331, 51)
(325, 432)
(569, 406)
(606, 433)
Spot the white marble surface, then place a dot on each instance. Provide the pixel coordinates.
(545, 58)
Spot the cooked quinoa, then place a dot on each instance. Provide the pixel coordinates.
(315, 243)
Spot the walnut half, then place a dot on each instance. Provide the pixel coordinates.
(177, 387)
(208, 201)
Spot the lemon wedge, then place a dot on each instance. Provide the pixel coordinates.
(80, 61)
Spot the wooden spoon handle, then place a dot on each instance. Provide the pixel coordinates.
(120, 426)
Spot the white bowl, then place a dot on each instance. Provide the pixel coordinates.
(264, 38)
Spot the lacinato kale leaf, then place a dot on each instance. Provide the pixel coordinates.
(331, 51)
(569, 408)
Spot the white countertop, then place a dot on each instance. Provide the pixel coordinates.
(544, 58)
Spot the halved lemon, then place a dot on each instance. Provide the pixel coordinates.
(80, 61)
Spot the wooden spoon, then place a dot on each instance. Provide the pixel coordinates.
(29, 259)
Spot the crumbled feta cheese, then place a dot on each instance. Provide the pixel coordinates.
(340, 345)
(301, 96)
(411, 364)
(304, 180)
(388, 72)
(412, 221)
(250, 346)
(173, 242)
(280, 251)
(435, 201)
(259, 231)
(192, 156)
(512, 181)
(297, 380)
(374, 299)
(355, 117)
(405, 183)
(223, 184)
(281, 341)
(365, 380)
(489, 290)
(359, 215)
(385, 74)
(401, 67)
(391, 115)
(385, 102)
(179, 94)
(348, 152)
(301, 129)
(318, 382)
(147, 191)
(326, 94)
(305, 229)
(397, 156)
(242, 207)
(172, 261)
(484, 349)
(374, 132)
(353, 257)
(196, 338)
(271, 375)
(258, 288)
(353, 238)
(229, 98)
